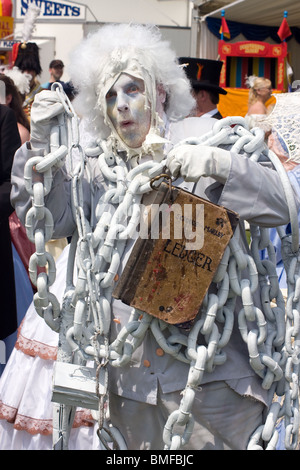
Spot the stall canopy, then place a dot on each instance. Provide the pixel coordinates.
(263, 13)
(257, 20)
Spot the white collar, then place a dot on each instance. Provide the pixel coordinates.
(210, 113)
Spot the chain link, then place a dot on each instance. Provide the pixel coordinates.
(271, 333)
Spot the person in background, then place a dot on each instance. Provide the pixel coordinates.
(13, 100)
(9, 142)
(11, 97)
(56, 70)
(204, 75)
(260, 91)
(15, 290)
(28, 61)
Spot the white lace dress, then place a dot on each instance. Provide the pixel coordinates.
(26, 410)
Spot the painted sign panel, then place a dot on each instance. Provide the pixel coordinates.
(64, 10)
(245, 58)
(6, 26)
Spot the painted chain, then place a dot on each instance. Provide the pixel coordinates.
(83, 320)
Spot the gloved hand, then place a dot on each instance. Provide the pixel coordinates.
(47, 111)
(193, 161)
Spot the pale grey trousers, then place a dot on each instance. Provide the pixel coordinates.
(224, 420)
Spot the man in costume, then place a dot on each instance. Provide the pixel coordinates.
(132, 97)
(28, 61)
(204, 75)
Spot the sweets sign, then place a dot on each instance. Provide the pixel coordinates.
(52, 10)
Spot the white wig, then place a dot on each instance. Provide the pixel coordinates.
(137, 50)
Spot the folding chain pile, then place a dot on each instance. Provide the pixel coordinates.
(83, 321)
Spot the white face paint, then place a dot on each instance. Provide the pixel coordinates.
(128, 110)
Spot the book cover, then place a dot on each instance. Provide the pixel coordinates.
(171, 268)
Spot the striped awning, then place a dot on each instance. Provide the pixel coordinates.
(6, 8)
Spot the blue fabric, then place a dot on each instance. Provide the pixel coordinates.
(281, 436)
(250, 31)
(294, 177)
(24, 296)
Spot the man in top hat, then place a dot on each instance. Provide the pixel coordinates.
(204, 75)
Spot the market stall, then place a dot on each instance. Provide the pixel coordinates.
(247, 58)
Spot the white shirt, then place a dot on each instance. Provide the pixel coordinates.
(209, 113)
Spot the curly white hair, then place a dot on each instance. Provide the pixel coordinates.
(116, 48)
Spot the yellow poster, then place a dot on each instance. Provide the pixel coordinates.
(6, 26)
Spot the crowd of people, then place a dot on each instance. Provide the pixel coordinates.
(136, 101)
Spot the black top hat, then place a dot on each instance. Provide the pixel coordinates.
(28, 57)
(204, 74)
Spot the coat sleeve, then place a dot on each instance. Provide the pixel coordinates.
(58, 201)
(256, 193)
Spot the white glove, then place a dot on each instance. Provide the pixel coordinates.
(193, 161)
(47, 111)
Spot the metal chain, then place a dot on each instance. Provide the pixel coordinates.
(84, 319)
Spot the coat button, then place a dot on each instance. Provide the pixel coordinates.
(146, 363)
(160, 352)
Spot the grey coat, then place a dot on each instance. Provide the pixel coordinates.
(252, 190)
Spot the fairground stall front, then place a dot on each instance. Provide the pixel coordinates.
(246, 58)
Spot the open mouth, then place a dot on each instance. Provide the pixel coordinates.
(126, 124)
